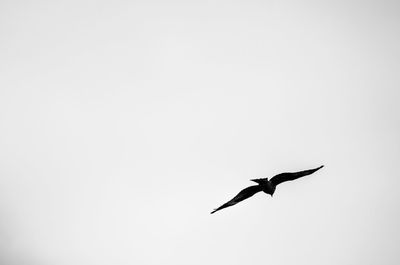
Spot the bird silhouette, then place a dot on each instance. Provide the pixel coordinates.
(265, 185)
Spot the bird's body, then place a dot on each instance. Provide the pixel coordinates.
(265, 185)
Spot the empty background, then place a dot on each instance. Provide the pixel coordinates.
(124, 123)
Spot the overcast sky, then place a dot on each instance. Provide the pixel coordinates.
(124, 123)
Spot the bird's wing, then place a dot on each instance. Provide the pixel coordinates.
(244, 194)
(291, 176)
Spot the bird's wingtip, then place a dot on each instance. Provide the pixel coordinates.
(213, 211)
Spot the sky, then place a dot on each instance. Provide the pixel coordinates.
(124, 123)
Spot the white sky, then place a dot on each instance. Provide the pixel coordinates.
(124, 123)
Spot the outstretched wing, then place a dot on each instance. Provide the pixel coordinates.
(291, 176)
(243, 195)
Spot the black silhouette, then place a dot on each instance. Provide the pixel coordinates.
(265, 185)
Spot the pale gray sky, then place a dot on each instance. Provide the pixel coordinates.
(124, 123)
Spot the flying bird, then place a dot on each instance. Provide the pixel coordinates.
(265, 185)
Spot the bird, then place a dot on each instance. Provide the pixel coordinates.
(265, 185)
